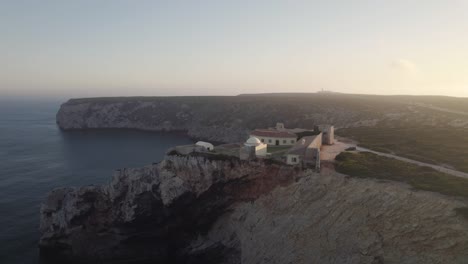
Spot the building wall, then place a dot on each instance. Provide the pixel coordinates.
(261, 150)
(331, 135)
(328, 134)
(292, 159)
(317, 143)
(312, 153)
(266, 140)
(247, 153)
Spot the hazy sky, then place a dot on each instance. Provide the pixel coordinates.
(196, 47)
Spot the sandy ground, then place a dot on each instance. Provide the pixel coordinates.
(329, 152)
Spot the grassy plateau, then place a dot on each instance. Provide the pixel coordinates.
(436, 145)
(369, 165)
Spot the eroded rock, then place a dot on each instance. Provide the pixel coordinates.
(197, 209)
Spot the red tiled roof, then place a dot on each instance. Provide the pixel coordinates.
(272, 133)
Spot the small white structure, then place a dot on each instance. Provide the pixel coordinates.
(280, 127)
(255, 143)
(206, 145)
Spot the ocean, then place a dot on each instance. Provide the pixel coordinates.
(36, 156)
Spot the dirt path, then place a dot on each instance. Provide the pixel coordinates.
(328, 153)
(441, 109)
(436, 167)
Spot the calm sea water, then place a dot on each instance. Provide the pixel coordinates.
(35, 157)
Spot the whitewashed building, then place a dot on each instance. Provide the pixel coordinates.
(274, 137)
(306, 151)
(206, 145)
(259, 147)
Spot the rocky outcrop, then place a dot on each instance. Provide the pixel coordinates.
(215, 209)
(230, 118)
(332, 218)
(222, 119)
(151, 213)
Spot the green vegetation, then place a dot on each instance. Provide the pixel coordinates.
(277, 151)
(274, 149)
(307, 133)
(451, 103)
(215, 156)
(436, 145)
(369, 165)
(227, 151)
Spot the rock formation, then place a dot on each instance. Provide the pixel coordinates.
(217, 209)
(230, 118)
(151, 213)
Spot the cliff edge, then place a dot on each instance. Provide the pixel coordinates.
(214, 209)
(151, 213)
(230, 118)
(222, 119)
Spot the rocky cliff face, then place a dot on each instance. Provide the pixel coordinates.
(331, 218)
(205, 209)
(151, 213)
(230, 118)
(223, 119)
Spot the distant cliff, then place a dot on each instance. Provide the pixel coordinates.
(230, 118)
(224, 119)
(214, 209)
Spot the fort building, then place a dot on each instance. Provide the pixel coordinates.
(253, 148)
(278, 136)
(305, 152)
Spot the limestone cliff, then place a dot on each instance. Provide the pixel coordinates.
(222, 119)
(230, 118)
(214, 209)
(151, 213)
(331, 218)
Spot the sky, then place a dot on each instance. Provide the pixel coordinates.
(85, 48)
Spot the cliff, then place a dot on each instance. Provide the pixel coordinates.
(213, 209)
(230, 118)
(222, 119)
(151, 213)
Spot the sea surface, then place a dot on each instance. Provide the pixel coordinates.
(36, 156)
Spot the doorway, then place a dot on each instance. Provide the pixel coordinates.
(277, 142)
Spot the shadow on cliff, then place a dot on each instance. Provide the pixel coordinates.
(161, 233)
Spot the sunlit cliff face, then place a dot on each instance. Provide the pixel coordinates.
(105, 48)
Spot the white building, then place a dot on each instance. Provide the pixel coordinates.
(306, 151)
(206, 145)
(255, 143)
(275, 137)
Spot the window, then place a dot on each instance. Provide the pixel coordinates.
(284, 141)
(269, 141)
(263, 140)
(292, 140)
(294, 159)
